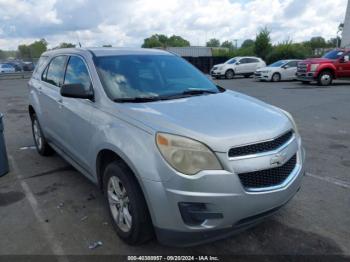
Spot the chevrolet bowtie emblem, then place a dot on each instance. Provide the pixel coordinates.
(278, 159)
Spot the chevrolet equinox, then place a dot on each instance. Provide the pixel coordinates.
(175, 155)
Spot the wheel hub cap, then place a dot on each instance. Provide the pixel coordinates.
(119, 204)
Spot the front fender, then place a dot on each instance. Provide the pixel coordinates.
(329, 67)
(135, 146)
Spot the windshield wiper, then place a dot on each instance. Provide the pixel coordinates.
(198, 92)
(136, 99)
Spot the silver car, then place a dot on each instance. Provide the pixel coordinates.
(173, 153)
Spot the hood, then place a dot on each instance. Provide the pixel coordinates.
(317, 60)
(267, 68)
(218, 65)
(219, 120)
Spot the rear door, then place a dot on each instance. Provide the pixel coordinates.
(78, 129)
(243, 66)
(253, 64)
(52, 118)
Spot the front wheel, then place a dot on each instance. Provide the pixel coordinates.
(126, 204)
(276, 77)
(229, 74)
(325, 78)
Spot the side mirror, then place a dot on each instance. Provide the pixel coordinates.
(76, 91)
(345, 59)
(238, 63)
(285, 66)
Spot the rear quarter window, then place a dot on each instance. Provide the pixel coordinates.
(40, 67)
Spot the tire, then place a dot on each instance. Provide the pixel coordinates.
(40, 141)
(123, 192)
(229, 74)
(325, 78)
(276, 77)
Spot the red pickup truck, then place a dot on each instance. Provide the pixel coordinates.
(333, 65)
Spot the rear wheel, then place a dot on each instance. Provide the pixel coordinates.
(325, 78)
(41, 144)
(229, 74)
(126, 204)
(276, 77)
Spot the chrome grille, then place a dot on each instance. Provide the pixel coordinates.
(261, 147)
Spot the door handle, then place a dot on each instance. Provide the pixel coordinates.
(60, 100)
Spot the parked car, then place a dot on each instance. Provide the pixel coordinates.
(28, 66)
(140, 124)
(6, 68)
(17, 65)
(333, 65)
(245, 66)
(280, 70)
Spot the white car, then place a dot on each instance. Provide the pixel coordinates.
(280, 70)
(245, 66)
(6, 68)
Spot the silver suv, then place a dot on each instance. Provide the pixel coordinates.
(173, 153)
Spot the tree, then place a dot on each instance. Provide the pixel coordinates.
(247, 43)
(317, 42)
(262, 44)
(286, 50)
(227, 44)
(213, 43)
(34, 50)
(2, 54)
(177, 41)
(37, 48)
(24, 51)
(164, 41)
(66, 45)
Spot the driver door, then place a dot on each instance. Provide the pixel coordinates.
(343, 66)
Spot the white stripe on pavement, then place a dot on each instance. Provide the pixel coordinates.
(331, 180)
(48, 233)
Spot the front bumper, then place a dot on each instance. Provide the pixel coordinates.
(306, 76)
(217, 73)
(222, 193)
(262, 76)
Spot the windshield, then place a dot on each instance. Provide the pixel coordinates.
(231, 61)
(145, 76)
(334, 54)
(278, 63)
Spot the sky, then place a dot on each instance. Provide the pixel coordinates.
(126, 23)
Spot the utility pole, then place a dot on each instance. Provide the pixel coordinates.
(236, 40)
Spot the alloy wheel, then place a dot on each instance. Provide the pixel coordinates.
(119, 204)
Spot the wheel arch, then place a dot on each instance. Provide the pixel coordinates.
(31, 111)
(328, 68)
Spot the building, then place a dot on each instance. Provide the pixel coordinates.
(191, 51)
(346, 30)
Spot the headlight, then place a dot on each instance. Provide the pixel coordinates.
(186, 155)
(313, 67)
(291, 119)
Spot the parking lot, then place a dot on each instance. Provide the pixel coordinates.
(46, 207)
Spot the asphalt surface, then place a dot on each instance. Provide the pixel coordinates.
(47, 207)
